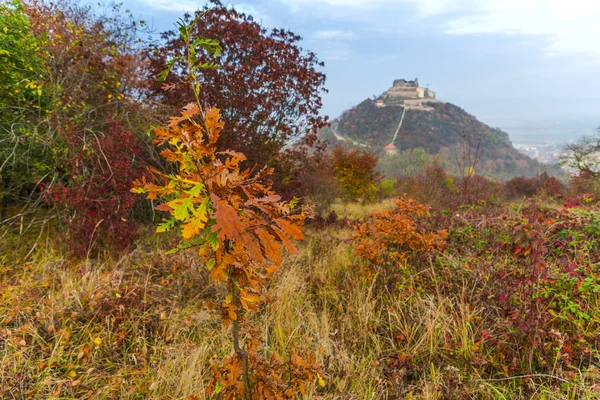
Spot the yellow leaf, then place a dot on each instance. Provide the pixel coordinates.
(321, 380)
(192, 228)
(251, 298)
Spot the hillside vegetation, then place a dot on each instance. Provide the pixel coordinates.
(439, 132)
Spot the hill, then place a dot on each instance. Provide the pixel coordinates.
(439, 128)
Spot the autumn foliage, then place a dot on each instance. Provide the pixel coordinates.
(267, 87)
(354, 171)
(97, 202)
(463, 287)
(391, 237)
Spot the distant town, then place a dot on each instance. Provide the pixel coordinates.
(547, 153)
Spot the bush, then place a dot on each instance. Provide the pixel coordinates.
(354, 171)
(97, 200)
(542, 185)
(390, 237)
(433, 187)
(583, 183)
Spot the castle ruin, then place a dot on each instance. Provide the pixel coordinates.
(408, 90)
(407, 94)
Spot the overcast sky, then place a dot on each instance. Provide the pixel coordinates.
(523, 65)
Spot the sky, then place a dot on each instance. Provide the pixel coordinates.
(529, 67)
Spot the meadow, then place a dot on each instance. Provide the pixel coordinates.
(472, 320)
(183, 233)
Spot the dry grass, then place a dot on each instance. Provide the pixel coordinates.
(358, 210)
(138, 328)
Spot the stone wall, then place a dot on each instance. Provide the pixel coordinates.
(407, 90)
(429, 94)
(405, 83)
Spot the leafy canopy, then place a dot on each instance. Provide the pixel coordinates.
(267, 87)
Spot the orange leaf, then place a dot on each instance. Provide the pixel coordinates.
(228, 224)
(252, 247)
(289, 228)
(272, 248)
(213, 123)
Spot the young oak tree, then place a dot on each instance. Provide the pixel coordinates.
(267, 87)
(239, 227)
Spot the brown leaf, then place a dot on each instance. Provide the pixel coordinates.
(287, 227)
(271, 246)
(228, 224)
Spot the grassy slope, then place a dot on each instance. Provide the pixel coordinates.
(136, 327)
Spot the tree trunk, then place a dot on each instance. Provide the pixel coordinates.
(236, 341)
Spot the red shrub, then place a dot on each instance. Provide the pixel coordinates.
(97, 198)
(543, 185)
(433, 187)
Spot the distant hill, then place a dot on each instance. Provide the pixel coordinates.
(437, 127)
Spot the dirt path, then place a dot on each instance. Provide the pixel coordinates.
(399, 125)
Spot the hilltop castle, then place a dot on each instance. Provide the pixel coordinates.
(407, 90)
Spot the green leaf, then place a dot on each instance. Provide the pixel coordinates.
(181, 208)
(162, 76)
(212, 238)
(210, 264)
(196, 190)
(166, 225)
(211, 46)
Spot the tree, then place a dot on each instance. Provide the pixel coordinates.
(467, 157)
(583, 156)
(354, 171)
(239, 227)
(267, 87)
(88, 67)
(24, 101)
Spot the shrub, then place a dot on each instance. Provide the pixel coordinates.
(582, 183)
(97, 200)
(25, 154)
(390, 237)
(354, 171)
(542, 185)
(433, 187)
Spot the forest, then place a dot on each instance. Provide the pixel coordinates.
(172, 227)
